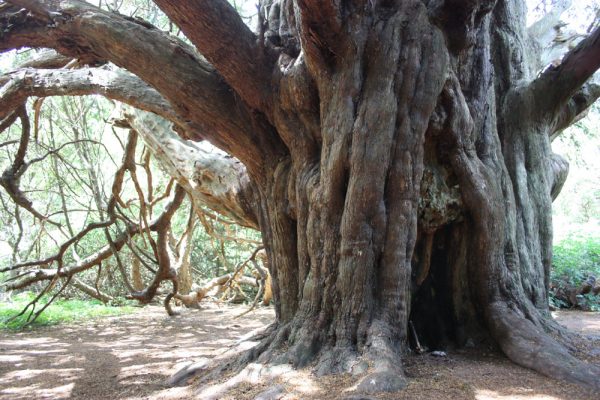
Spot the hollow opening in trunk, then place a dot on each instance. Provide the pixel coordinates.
(442, 312)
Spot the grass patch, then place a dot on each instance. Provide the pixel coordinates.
(59, 312)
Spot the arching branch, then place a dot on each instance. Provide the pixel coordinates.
(48, 59)
(545, 25)
(11, 177)
(218, 32)
(213, 179)
(193, 88)
(558, 84)
(575, 108)
(114, 84)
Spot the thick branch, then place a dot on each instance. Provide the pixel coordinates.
(558, 84)
(560, 170)
(575, 108)
(194, 89)
(41, 10)
(49, 59)
(546, 25)
(114, 84)
(212, 179)
(218, 32)
(91, 291)
(320, 24)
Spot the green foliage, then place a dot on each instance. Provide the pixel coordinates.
(575, 260)
(589, 301)
(60, 311)
(579, 200)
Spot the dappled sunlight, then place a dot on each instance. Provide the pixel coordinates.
(10, 358)
(301, 381)
(117, 357)
(62, 373)
(523, 394)
(298, 384)
(28, 392)
(67, 359)
(137, 354)
(26, 383)
(21, 340)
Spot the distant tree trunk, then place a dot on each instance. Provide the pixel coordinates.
(268, 295)
(184, 251)
(91, 291)
(136, 274)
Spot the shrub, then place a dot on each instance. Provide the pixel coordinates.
(576, 267)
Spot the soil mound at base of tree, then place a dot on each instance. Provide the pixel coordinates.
(132, 357)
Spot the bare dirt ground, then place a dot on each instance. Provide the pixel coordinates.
(131, 357)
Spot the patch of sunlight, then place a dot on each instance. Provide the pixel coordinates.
(303, 384)
(33, 342)
(483, 394)
(64, 373)
(176, 393)
(10, 358)
(27, 392)
(144, 369)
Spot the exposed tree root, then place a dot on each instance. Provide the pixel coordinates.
(280, 349)
(388, 375)
(529, 346)
(377, 367)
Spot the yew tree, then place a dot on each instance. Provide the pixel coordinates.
(396, 158)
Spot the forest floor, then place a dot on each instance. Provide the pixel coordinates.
(132, 356)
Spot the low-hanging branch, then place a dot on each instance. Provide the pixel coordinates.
(116, 84)
(212, 178)
(38, 275)
(230, 282)
(161, 226)
(127, 163)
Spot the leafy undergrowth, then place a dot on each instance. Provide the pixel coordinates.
(575, 276)
(60, 311)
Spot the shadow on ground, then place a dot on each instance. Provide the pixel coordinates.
(130, 357)
(124, 357)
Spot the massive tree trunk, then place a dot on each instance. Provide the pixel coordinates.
(428, 135)
(400, 154)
